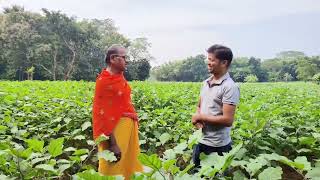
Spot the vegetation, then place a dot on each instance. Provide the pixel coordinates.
(46, 131)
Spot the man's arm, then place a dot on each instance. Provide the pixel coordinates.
(226, 119)
(199, 125)
(198, 107)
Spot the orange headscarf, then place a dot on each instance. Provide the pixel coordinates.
(112, 101)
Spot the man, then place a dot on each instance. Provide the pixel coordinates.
(217, 105)
(115, 116)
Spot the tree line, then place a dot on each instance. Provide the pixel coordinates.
(52, 46)
(286, 66)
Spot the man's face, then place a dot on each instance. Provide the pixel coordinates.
(119, 60)
(214, 64)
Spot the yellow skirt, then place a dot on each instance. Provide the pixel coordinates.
(126, 134)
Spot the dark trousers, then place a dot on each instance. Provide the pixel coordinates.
(201, 148)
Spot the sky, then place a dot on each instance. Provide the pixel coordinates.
(178, 29)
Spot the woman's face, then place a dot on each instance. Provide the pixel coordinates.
(119, 60)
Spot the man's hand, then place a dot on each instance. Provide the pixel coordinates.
(116, 150)
(199, 125)
(196, 118)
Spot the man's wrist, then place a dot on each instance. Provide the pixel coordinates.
(202, 118)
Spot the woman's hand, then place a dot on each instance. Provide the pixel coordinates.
(116, 151)
(132, 116)
(114, 147)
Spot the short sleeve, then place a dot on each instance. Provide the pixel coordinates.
(231, 95)
(202, 87)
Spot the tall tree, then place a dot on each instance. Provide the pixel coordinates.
(19, 38)
(192, 69)
(306, 69)
(139, 60)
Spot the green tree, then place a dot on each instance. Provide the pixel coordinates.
(57, 46)
(316, 78)
(251, 78)
(139, 60)
(287, 77)
(19, 39)
(192, 69)
(239, 69)
(306, 69)
(255, 68)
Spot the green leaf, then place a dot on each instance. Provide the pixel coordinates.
(67, 120)
(185, 177)
(63, 167)
(316, 136)
(164, 138)
(138, 177)
(85, 125)
(81, 152)
(4, 177)
(101, 138)
(83, 157)
(180, 148)
(2, 152)
(58, 119)
(90, 142)
(25, 165)
(92, 175)
(46, 167)
(35, 144)
(169, 154)
(271, 173)
(212, 160)
(239, 163)
(238, 175)
(63, 161)
(142, 142)
(36, 160)
(304, 150)
(3, 128)
(194, 138)
(209, 161)
(151, 161)
(255, 165)
(26, 153)
(80, 137)
(70, 149)
(169, 163)
(240, 154)
(182, 173)
(55, 147)
(303, 160)
(307, 140)
(314, 173)
(230, 156)
(107, 155)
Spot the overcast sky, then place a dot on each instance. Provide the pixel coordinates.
(178, 29)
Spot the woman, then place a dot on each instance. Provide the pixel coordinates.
(115, 116)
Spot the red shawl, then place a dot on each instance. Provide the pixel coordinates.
(112, 101)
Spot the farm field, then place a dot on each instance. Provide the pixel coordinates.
(46, 133)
